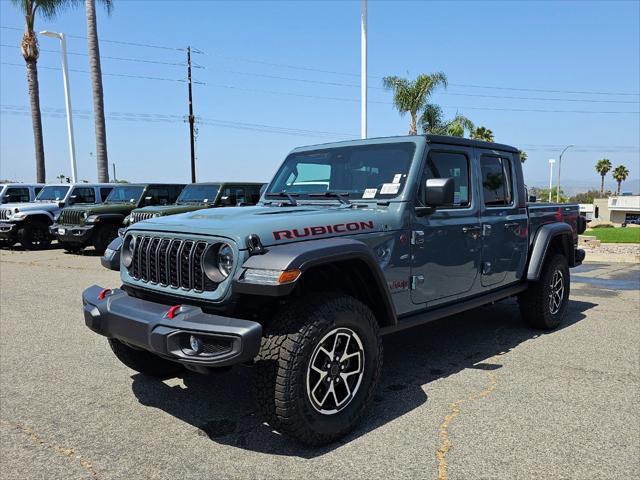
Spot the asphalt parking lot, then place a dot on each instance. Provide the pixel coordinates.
(477, 395)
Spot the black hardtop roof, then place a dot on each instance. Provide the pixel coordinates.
(154, 184)
(226, 183)
(468, 142)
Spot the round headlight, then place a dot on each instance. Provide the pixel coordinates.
(85, 215)
(217, 262)
(127, 250)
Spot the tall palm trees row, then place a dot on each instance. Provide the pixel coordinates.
(620, 173)
(49, 9)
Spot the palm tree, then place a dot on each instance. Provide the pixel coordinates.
(482, 133)
(620, 174)
(523, 156)
(602, 167)
(432, 121)
(412, 95)
(96, 83)
(29, 47)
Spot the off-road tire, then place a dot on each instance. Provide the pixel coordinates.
(287, 346)
(143, 361)
(535, 301)
(103, 237)
(71, 247)
(34, 235)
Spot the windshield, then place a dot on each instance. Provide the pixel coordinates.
(125, 195)
(52, 193)
(359, 172)
(198, 194)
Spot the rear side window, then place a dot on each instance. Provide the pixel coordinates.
(84, 195)
(17, 194)
(449, 165)
(104, 192)
(496, 181)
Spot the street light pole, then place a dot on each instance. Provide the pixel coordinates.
(363, 70)
(67, 99)
(559, 166)
(551, 162)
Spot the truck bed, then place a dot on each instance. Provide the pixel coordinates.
(543, 213)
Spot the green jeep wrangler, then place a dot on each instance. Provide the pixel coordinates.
(202, 195)
(98, 225)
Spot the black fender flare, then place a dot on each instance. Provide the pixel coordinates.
(544, 236)
(111, 258)
(306, 255)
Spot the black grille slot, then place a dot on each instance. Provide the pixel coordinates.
(173, 262)
(138, 216)
(70, 217)
(5, 213)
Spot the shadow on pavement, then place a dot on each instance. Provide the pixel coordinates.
(221, 406)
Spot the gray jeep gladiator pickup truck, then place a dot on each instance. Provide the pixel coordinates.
(349, 242)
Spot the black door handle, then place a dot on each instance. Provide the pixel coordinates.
(511, 225)
(471, 229)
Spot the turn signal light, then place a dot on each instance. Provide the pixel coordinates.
(289, 276)
(173, 311)
(103, 293)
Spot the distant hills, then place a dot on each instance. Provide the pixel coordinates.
(571, 187)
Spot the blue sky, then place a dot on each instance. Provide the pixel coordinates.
(518, 48)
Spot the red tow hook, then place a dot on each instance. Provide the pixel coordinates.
(173, 311)
(103, 293)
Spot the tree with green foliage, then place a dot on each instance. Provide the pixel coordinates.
(620, 174)
(542, 194)
(432, 121)
(523, 156)
(589, 196)
(411, 96)
(482, 133)
(602, 167)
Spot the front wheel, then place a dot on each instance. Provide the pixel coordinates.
(103, 237)
(7, 242)
(143, 361)
(318, 367)
(71, 247)
(34, 236)
(544, 303)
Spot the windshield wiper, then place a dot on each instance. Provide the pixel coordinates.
(330, 193)
(289, 196)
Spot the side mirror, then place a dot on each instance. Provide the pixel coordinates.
(439, 192)
(228, 201)
(5, 200)
(533, 199)
(60, 204)
(147, 200)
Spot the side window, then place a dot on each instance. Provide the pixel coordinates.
(234, 196)
(104, 192)
(84, 195)
(160, 196)
(496, 181)
(253, 195)
(37, 190)
(449, 165)
(175, 193)
(17, 194)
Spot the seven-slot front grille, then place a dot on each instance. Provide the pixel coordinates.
(171, 262)
(70, 217)
(138, 216)
(5, 213)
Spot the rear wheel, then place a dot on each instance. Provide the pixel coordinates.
(103, 237)
(34, 236)
(143, 361)
(319, 367)
(544, 303)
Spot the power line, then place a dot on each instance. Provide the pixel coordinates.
(136, 60)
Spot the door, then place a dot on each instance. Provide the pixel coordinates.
(504, 222)
(445, 248)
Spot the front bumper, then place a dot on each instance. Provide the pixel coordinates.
(146, 325)
(8, 230)
(72, 233)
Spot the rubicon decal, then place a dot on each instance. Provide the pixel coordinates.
(322, 230)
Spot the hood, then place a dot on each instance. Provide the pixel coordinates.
(123, 208)
(171, 209)
(277, 225)
(25, 207)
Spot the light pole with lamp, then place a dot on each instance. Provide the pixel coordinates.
(559, 166)
(551, 162)
(363, 70)
(67, 98)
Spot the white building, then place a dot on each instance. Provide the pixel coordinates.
(617, 210)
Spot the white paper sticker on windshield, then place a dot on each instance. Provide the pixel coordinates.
(397, 177)
(370, 193)
(390, 188)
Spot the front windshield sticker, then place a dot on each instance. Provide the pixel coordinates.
(397, 177)
(390, 188)
(370, 193)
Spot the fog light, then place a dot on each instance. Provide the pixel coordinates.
(196, 344)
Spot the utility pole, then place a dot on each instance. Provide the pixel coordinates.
(363, 70)
(192, 120)
(114, 171)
